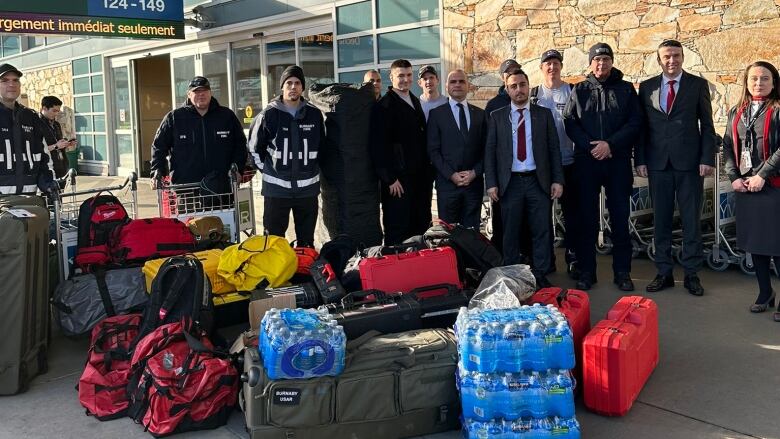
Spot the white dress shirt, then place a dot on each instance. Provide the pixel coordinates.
(456, 112)
(514, 116)
(665, 90)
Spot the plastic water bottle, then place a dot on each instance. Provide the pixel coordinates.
(565, 428)
(534, 347)
(476, 429)
(559, 393)
(486, 347)
(560, 345)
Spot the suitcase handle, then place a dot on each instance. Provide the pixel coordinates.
(418, 293)
(348, 301)
(563, 295)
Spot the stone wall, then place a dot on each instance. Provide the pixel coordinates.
(720, 37)
(51, 81)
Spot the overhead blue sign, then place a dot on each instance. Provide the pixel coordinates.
(171, 10)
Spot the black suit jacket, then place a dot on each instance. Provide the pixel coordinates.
(685, 137)
(499, 150)
(450, 152)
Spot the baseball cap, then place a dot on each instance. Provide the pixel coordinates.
(427, 69)
(552, 53)
(506, 65)
(199, 82)
(5, 68)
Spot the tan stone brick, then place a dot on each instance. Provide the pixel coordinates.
(574, 24)
(745, 11)
(488, 10)
(531, 42)
(451, 3)
(734, 48)
(458, 21)
(696, 21)
(565, 41)
(626, 20)
(590, 40)
(575, 62)
(630, 64)
(454, 53)
(491, 26)
(660, 14)
(542, 16)
(535, 4)
(490, 49)
(513, 22)
(646, 39)
(592, 8)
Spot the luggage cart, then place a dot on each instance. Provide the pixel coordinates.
(723, 251)
(235, 208)
(65, 211)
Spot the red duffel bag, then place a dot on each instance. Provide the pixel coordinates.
(102, 386)
(150, 238)
(186, 386)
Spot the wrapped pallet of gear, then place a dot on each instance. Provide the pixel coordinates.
(350, 189)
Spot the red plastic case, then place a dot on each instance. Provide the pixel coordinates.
(619, 354)
(406, 271)
(575, 306)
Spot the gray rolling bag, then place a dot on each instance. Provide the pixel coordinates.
(82, 301)
(393, 386)
(24, 291)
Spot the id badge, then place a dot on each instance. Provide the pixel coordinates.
(745, 161)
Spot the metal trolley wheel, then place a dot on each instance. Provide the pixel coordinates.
(636, 248)
(722, 264)
(746, 265)
(651, 250)
(606, 247)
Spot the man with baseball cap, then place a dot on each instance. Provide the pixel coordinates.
(500, 100)
(603, 119)
(24, 164)
(286, 140)
(201, 140)
(553, 94)
(428, 80)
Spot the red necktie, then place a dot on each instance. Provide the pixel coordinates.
(670, 96)
(521, 137)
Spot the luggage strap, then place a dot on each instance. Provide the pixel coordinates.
(105, 297)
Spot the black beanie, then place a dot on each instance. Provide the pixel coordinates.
(293, 71)
(599, 49)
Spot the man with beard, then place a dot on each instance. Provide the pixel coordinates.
(400, 158)
(603, 119)
(286, 139)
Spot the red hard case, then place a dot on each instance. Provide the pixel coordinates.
(619, 354)
(575, 306)
(406, 271)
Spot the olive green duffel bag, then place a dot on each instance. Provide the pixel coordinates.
(393, 386)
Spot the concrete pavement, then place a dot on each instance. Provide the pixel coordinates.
(718, 376)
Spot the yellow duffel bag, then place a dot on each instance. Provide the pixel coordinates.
(210, 261)
(265, 260)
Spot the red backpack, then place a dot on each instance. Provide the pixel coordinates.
(98, 217)
(103, 384)
(150, 238)
(180, 382)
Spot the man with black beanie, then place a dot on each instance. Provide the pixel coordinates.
(285, 140)
(603, 119)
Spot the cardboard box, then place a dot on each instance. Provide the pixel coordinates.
(262, 302)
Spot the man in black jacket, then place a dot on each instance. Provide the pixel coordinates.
(286, 139)
(55, 142)
(398, 150)
(202, 140)
(603, 120)
(24, 165)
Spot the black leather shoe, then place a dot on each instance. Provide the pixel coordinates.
(693, 285)
(660, 282)
(542, 282)
(586, 281)
(624, 282)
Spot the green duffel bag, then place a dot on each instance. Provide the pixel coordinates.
(393, 386)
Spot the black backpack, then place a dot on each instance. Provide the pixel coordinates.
(338, 251)
(474, 250)
(180, 289)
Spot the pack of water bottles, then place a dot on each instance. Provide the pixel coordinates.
(301, 343)
(527, 428)
(512, 340)
(513, 373)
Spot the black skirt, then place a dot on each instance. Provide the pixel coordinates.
(758, 221)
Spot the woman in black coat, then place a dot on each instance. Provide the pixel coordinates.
(751, 146)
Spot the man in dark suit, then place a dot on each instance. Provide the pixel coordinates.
(523, 169)
(456, 145)
(400, 158)
(676, 151)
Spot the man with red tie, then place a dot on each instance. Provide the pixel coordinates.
(523, 170)
(676, 151)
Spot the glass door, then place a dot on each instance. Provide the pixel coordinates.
(279, 56)
(248, 82)
(123, 118)
(183, 70)
(315, 56)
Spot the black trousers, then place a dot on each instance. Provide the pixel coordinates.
(461, 205)
(616, 176)
(409, 214)
(276, 217)
(687, 187)
(525, 200)
(764, 275)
